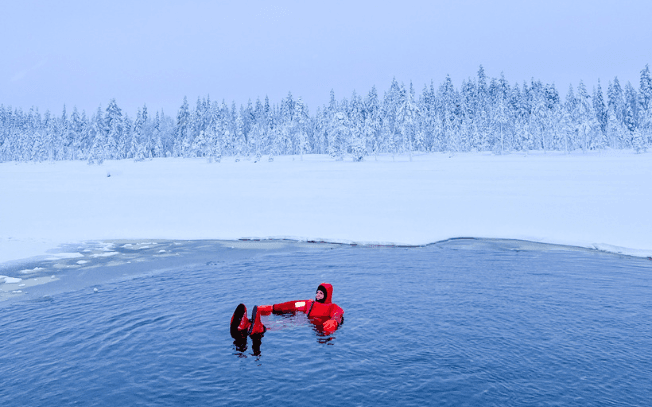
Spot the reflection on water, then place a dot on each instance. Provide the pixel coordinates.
(274, 323)
(462, 323)
(241, 344)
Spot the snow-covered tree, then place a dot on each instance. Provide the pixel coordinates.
(407, 117)
(300, 120)
(182, 131)
(97, 134)
(240, 146)
(638, 141)
(587, 124)
(113, 128)
(337, 136)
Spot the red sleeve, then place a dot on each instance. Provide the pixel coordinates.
(337, 313)
(290, 306)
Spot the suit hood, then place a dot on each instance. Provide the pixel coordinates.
(328, 289)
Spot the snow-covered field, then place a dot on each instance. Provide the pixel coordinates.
(596, 200)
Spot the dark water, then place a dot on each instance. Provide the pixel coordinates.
(460, 323)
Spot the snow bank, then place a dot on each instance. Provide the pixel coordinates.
(597, 200)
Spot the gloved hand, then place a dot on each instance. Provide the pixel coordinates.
(330, 326)
(265, 309)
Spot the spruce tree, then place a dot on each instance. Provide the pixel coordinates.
(300, 121)
(600, 108)
(407, 119)
(586, 120)
(97, 134)
(638, 141)
(240, 147)
(134, 143)
(645, 91)
(337, 136)
(181, 131)
(76, 132)
(113, 128)
(645, 106)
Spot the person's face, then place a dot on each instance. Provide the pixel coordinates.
(319, 295)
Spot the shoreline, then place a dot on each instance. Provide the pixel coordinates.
(89, 265)
(59, 251)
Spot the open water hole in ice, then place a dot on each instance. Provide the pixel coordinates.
(461, 323)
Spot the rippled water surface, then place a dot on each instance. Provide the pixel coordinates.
(461, 323)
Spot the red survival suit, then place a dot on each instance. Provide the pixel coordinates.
(322, 312)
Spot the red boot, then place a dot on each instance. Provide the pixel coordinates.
(257, 327)
(240, 325)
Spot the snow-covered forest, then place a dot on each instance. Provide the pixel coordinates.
(485, 114)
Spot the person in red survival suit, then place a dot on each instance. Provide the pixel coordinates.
(321, 311)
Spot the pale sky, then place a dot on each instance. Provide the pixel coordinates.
(83, 53)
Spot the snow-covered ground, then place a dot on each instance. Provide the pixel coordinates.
(597, 200)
